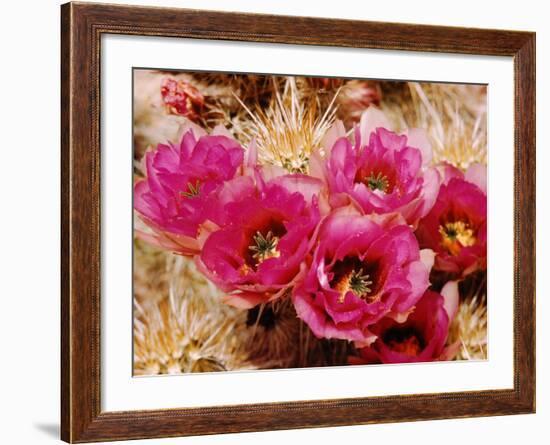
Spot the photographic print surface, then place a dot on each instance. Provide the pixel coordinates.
(291, 222)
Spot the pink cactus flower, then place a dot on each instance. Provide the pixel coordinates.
(456, 227)
(181, 98)
(385, 176)
(421, 338)
(268, 230)
(178, 196)
(363, 269)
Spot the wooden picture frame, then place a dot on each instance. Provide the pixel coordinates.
(82, 26)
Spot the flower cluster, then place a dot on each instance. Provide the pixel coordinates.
(352, 244)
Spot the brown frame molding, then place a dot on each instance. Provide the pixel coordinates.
(82, 25)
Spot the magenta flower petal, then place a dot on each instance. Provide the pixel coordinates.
(335, 132)
(372, 119)
(265, 234)
(421, 338)
(363, 268)
(176, 197)
(477, 174)
(451, 297)
(418, 138)
(385, 176)
(456, 227)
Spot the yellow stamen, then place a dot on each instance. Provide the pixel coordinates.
(377, 181)
(193, 190)
(244, 270)
(354, 281)
(265, 247)
(455, 235)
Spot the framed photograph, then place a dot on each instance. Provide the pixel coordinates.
(275, 222)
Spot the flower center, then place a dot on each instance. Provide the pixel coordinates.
(296, 164)
(264, 247)
(455, 235)
(378, 181)
(193, 190)
(404, 340)
(351, 277)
